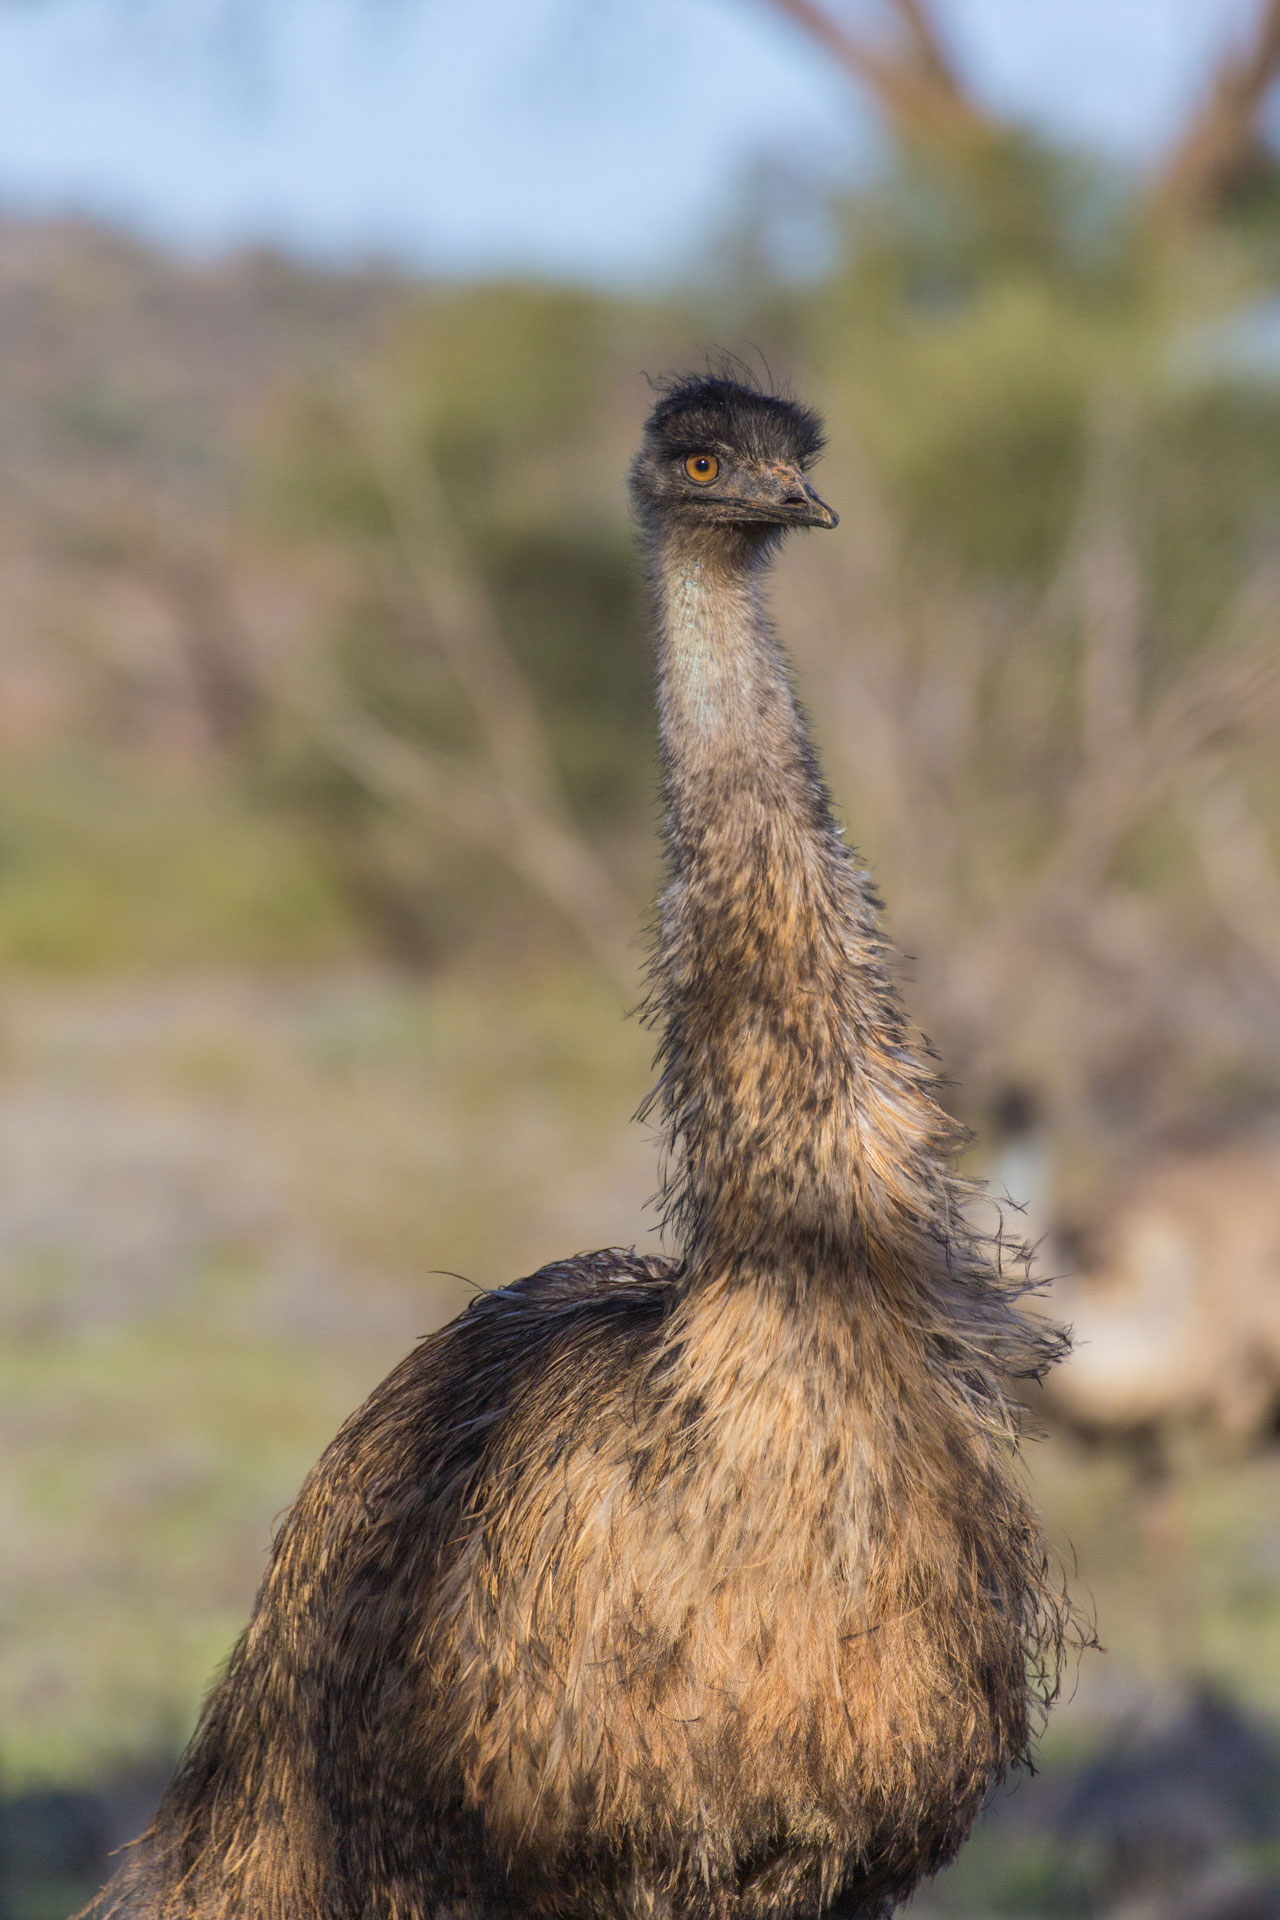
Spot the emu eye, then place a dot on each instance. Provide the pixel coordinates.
(702, 467)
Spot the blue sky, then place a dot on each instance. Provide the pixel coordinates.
(603, 138)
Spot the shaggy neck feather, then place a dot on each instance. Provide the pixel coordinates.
(800, 1123)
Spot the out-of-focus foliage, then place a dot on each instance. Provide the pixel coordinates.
(1050, 634)
(384, 618)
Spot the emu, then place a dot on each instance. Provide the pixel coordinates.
(1169, 1278)
(697, 1587)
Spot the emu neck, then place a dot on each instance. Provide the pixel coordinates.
(800, 1124)
(726, 708)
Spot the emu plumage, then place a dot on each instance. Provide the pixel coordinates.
(703, 1587)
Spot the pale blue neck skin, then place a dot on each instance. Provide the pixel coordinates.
(724, 697)
(695, 676)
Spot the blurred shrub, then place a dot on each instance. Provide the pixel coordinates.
(401, 643)
(98, 870)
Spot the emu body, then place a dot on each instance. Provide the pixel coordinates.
(696, 1588)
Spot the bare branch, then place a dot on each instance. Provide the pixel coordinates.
(1224, 134)
(1108, 584)
(218, 654)
(1238, 865)
(463, 622)
(915, 84)
(1230, 693)
(922, 30)
(449, 789)
(545, 844)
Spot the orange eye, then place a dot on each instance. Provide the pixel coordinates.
(702, 467)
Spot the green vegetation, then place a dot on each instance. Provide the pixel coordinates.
(101, 869)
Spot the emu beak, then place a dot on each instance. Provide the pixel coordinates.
(817, 512)
(796, 503)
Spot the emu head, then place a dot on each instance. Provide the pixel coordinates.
(716, 453)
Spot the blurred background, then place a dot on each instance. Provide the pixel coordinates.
(326, 795)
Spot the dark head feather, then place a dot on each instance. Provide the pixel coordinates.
(701, 410)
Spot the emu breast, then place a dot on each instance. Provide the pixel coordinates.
(718, 1614)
